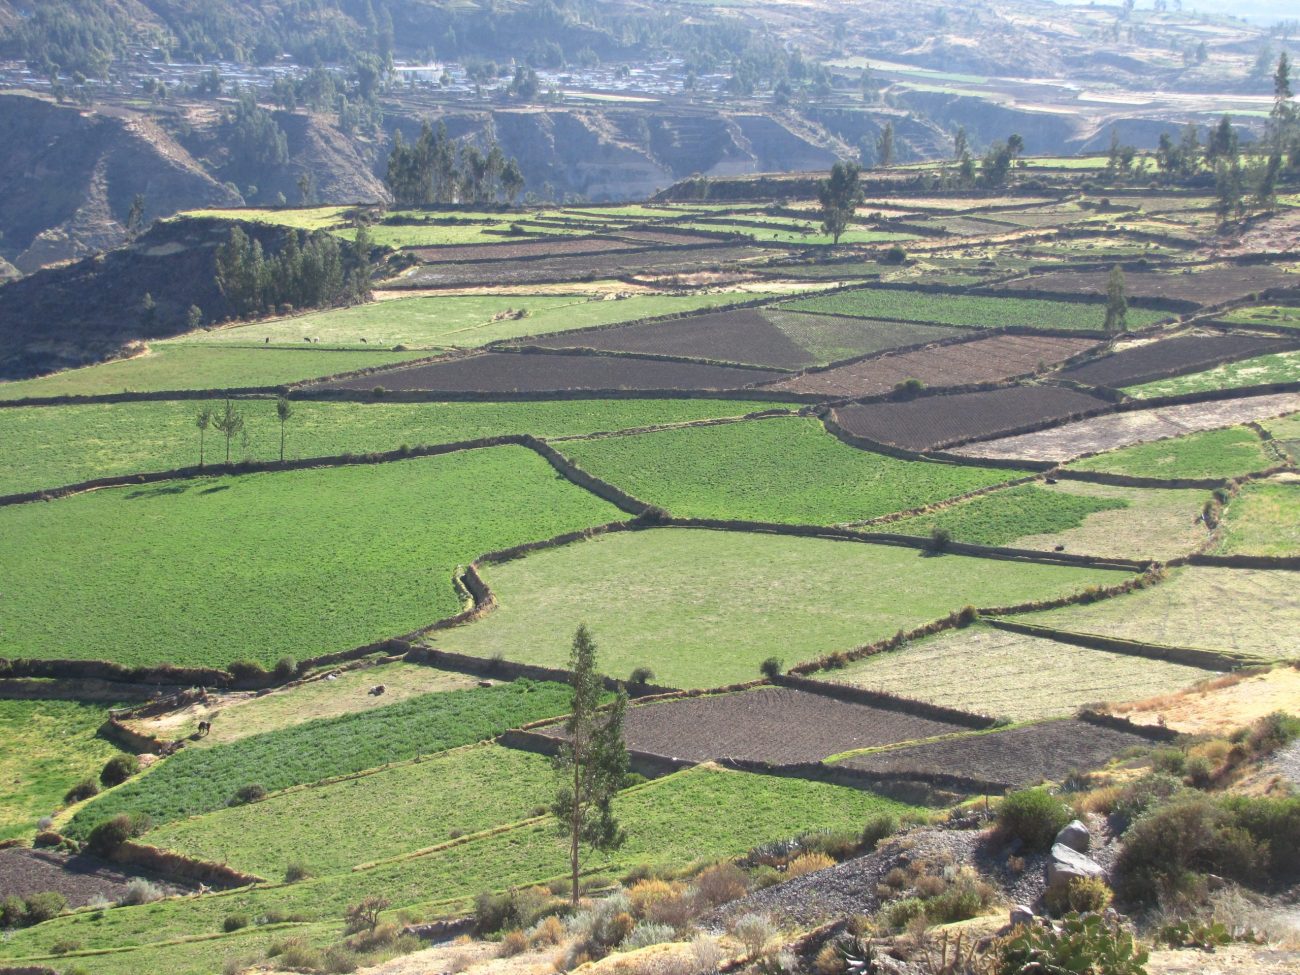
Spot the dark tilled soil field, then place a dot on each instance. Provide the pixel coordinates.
(612, 264)
(743, 335)
(1170, 357)
(498, 372)
(927, 423)
(514, 249)
(1199, 285)
(81, 879)
(984, 360)
(776, 725)
(1022, 756)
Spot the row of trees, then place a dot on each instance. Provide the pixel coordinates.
(310, 271)
(436, 169)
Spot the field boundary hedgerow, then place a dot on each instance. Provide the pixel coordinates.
(1210, 660)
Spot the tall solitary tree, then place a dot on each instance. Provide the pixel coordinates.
(283, 411)
(203, 421)
(229, 422)
(840, 196)
(592, 763)
(1116, 302)
(885, 146)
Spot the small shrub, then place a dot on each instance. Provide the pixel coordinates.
(721, 884)
(13, 913)
(65, 947)
(141, 891)
(247, 671)
(547, 931)
(900, 913)
(364, 915)
(940, 538)
(235, 922)
(254, 792)
(877, 829)
(754, 931)
(1147, 792)
(1032, 816)
(85, 789)
(513, 942)
(1170, 761)
(118, 769)
(807, 863)
(516, 908)
(105, 838)
(646, 934)
(1082, 895)
(340, 960)
(286, 668)
(909, 389)
(295, 872)
(1198, 772)
(772, 667)
(641, 676)
(295, 953)
(894, 255)
(967, 615)
(1084, 943)
(1188, 933)
(965, 897)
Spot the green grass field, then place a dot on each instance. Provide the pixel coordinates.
(448, 234)
(705, 608)
(1263, 519)
(672, 820)
(56, 445)
(1225, 453)
(265, 566)
(46, 747)
(984, 311)
(304, 218)
(1282, 367)
(791, 233)
(1011, 675)
(238, 716)
(200, 780)
(182, 366)
(1287, 316)
(1247, 611)
(783, 470)
(1002, 517)
(460, 321)
(425, 803)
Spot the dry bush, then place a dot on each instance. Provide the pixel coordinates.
(1081, 895)
(513, 943)
(721, 884)
(808, 863)
(547, 931)
(829, 960)
(644, 894)
(677, 910)
(754, 931)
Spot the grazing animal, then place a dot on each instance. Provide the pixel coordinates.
(1060, 548)
(267, 340)
(364, 342)
(205, 728)
(307, 339)
(1051, 480)
(377, 690)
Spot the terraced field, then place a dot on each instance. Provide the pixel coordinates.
(1234, 610)
(61, 445)
(1113, 431)
(1264, 519)
(992, 670)
(746, 594)
(1147, 362)
(982, 360)
(1261, 371)
(1212, 454)
(979, 311)
(779, 470)
(181, 366)
(214, 571)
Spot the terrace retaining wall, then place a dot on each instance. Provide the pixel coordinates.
(1209, 660)
(175, 866)
(886, 702)
(866, 781)
(1117, 723)
(650, 765)
(21, 689)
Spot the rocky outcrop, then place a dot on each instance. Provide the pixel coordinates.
(1067, 864)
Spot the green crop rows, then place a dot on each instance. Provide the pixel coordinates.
(269, 565)
(675, 819)
(1282, 367)
(985, 311)
(1225, 453)
(199, 780)
(782, 470)
(1002, 517)
(58, 445)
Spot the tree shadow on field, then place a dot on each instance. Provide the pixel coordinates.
(215, 489)
(157, 492)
